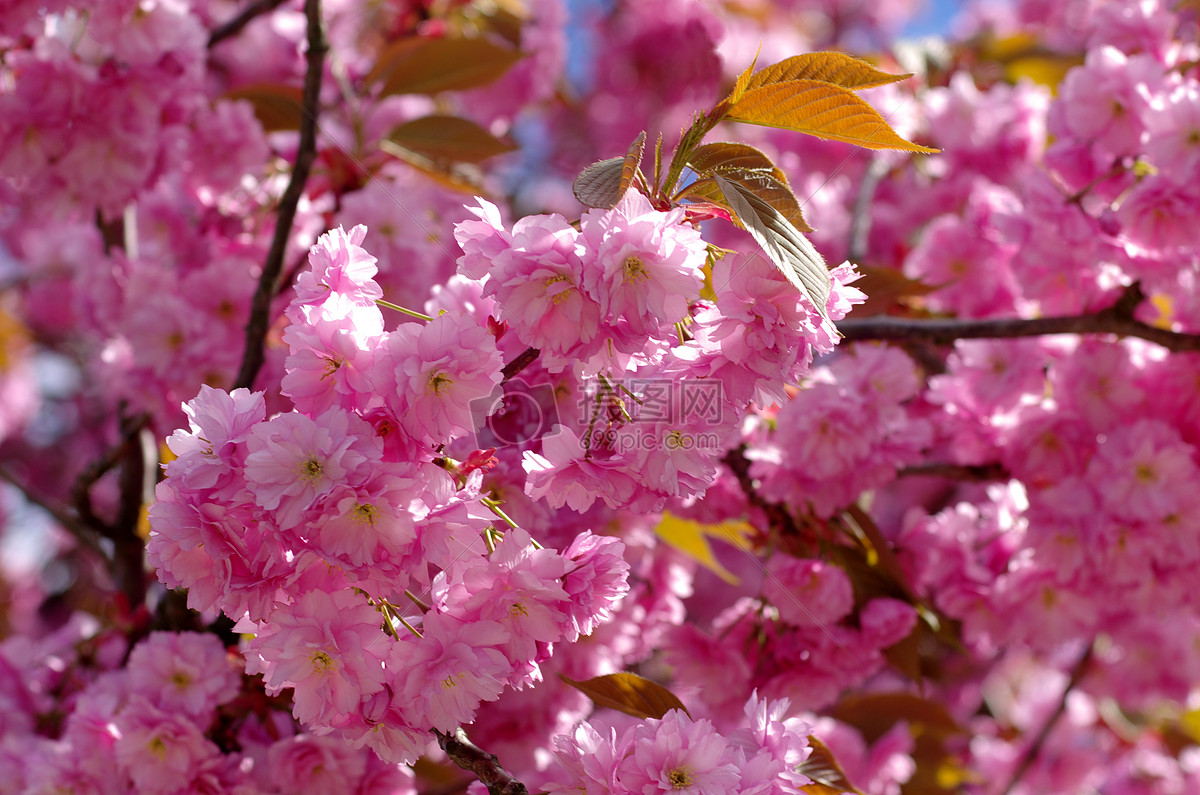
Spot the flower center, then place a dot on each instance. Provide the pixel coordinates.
(561, 295)
(680, 778)
(635, 271)
(311, 469)
(332, 364)
(440, 383)
(364, 513)
(321, 662)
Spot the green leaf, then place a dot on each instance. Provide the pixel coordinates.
(825, 772)
(822, 110)
(448, 138)
(419, 65)
(828, 67)
(603, 183)
(791, 252)
(277, 106)
(754, 171)
(629, 693)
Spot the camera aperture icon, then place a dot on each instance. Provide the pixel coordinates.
(515, 413)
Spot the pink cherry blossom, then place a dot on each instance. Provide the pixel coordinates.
(678, 754)
(644, 265)
(293, 460)
(328, 647)
(433, 374)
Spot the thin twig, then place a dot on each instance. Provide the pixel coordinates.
(860, 217)
(777, 515)
(81, 491)
(970, 472)
(260, 312)
(523, 360)
(247, 14)
(82, 532)
(1035, 748)
(133, 456)
(485, 766)
(1117, 319)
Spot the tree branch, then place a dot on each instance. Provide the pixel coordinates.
(136, 490)
(1117, 319)
(79, 530)
(523, 360)
(485, 766)
(860, 217)
(81, 491)
(306, 153)
(972, 472)
(1035, 748)
(777, 515)
(235, 25)
(134, 457)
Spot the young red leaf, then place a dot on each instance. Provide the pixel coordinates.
(754, 171)
(420, 65)
(448, 138)
(629, 693)
(277, 106)
(825, 772)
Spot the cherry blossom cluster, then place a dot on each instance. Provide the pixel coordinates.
(764, 755)
(803, 639)
(378, 585)
(666, 376)
(313, 527)
(160, 717)
(967, 561)
(849, 429)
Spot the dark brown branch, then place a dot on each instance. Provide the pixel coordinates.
(81, 491)
(1117, 319)
(973, 472)
(133, 456)
(1035, 748)
(777, 515)
(235, 25)
(523, 360)
(136, 490)
(485, 766)
(260, 311)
